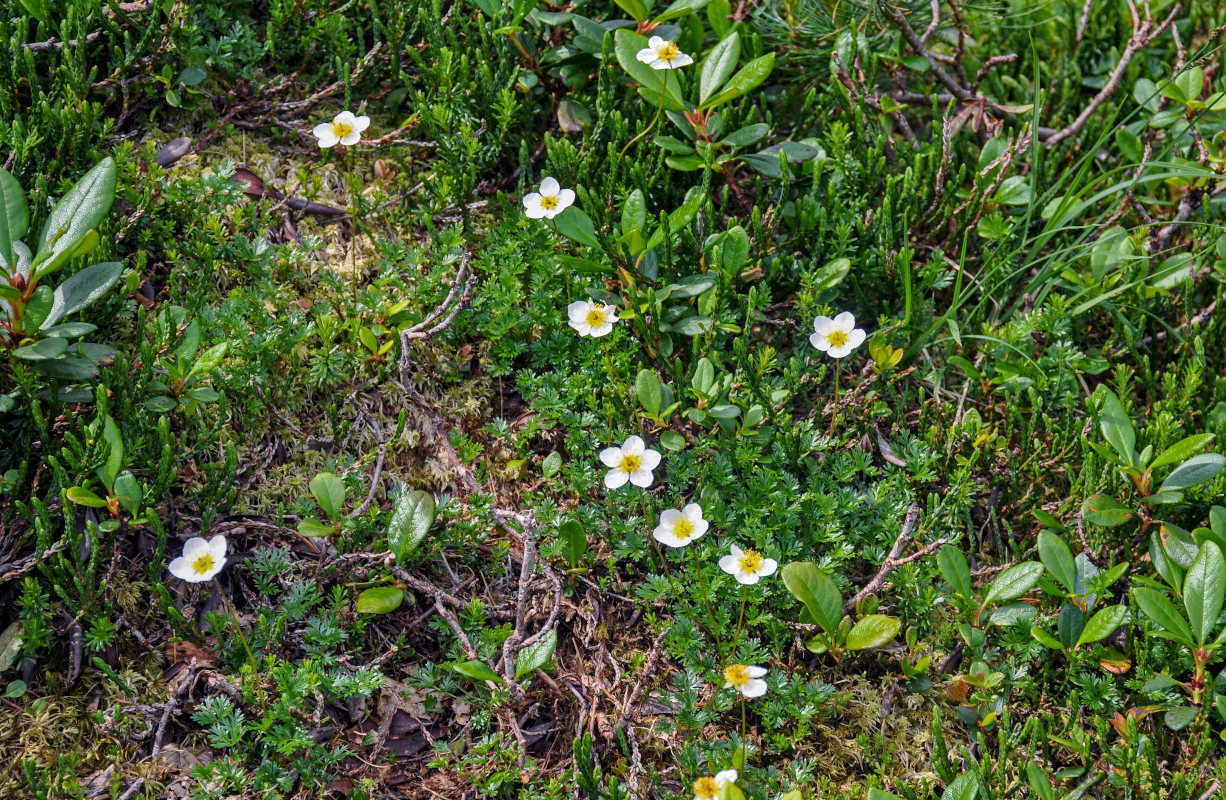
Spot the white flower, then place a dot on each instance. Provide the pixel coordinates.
(708, 788)
(836, 337)
(663, 54)
(550, 201)
(344, 129)
(747, 566)
(201, 560)
(679, 528)
(745, 679)
(631, 462)
(591, 318)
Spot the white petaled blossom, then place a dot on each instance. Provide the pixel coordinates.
(201, 559)
(550, 201)
(660, 53)
(591, 318)
(345, 128)
(836, 337)
(632, 462)
(679, 528)
(747, 566)
(745, 679)
(708, 788)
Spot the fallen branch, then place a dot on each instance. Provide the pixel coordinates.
(892, 561)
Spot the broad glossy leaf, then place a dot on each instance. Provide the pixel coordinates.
(209, 360)
(1058, 559)
(77, 213)
(954, 569)
(1163, 614)
(718, 65)
(1116, 425)
(84, 497)
(681, 217)
(1104, 511)
(329, 492)
(649, 392)
(1069, 625)
(627, 44)
(577, 226)
(114, 443)
(80, 362)
(634, 213)
(82, 290)
(1014, 582)
(574, 541)
(380, 600)
(14, 218)
(1012, 614)
(874, 630)
(747, 79)
(817, 591)
(963, 787)
(410, 523)
(1183, 449)
(1204, 589)
(1193, 472)
(1103, 624)
(314, 529)
(477, 670)
(535, 656)
(42, 349)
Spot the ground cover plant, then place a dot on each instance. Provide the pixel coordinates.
(705, 399)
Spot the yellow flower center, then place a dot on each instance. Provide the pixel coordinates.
(668, 53)
(837, 338)
(549, 203)
(751, 561)
(736, 675)
(203, 563)
(684, 529)
(341, 129)
(630, 463)
(595, 316)
(706, 788)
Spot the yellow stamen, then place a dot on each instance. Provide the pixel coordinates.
(341, 129)
(837, 338)
(736, 675)
(684, 529)
(706, 788)
(549, 203)
(750, 562)
(630, 464)
(668, 53)
(203, 563)
(595, 316)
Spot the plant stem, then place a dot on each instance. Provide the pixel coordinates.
(608, 363)
(737, 638)
(659, 111)
(238, 627)
(654, 543)
(565, 269)
(702, 585)
(834, 414)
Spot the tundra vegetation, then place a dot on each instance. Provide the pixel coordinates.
(715, 399)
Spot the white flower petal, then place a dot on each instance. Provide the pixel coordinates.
(818, 340)
(729, 564)
(566, 198)
(218, 547)
(650, 459)
(683, 60)
(756, 672)
(670, 517)
(353, 138)
(181, 568)
(855, 338)
(634, 445)
(600, 330)
(550, 187)
(615, 479)
(845, 321)
(642, 478)
(611, 456)
(656, 42)
(668, 538)
(769, 565)
(839, 352)
(344, 118)
(360, 124)
(726, 776)
(746, 578)
(578, 310)
(821, 324)
(755, 688)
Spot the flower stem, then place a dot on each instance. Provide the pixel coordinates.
(660, 110)
(654, 543)
(737, 638)
(608, 363)
(237, 626)
(565, 269)
(702, 584)
(834, 413)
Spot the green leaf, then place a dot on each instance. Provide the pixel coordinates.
(635, 8)
(690, 286)
(1204, 589)
(574, 541)
(1116, 425)
(1046, 639)
(10, 645)
(1014, 582)
(1102, 624)
(1039, 782)
(963, 787)
(535, 656)
(329, 492)
(577, 226)
(817, 591)
(876, 794)
(82, 290)
(79, 363)
(1069, 625)
(1012, 614)
(735, 250)
(551, 464)
(77, 213)
(1058, 559)
(681, 217)
(410, 523)
(70, 330)
(84, 497)
(1105, 511)
(1163, 614)
(38, 307)
(743, 137)
(649, 392)
(314, 529)
(477, 670)
(209, 360)
(42, 349)
(114, 442)
(679, 8)
(874, 630)
(380, 600)
(14, 218)
(1193, 472)
(634, 213)
(747, 79)
(718, 65)
(627, 44)
(955, 570)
